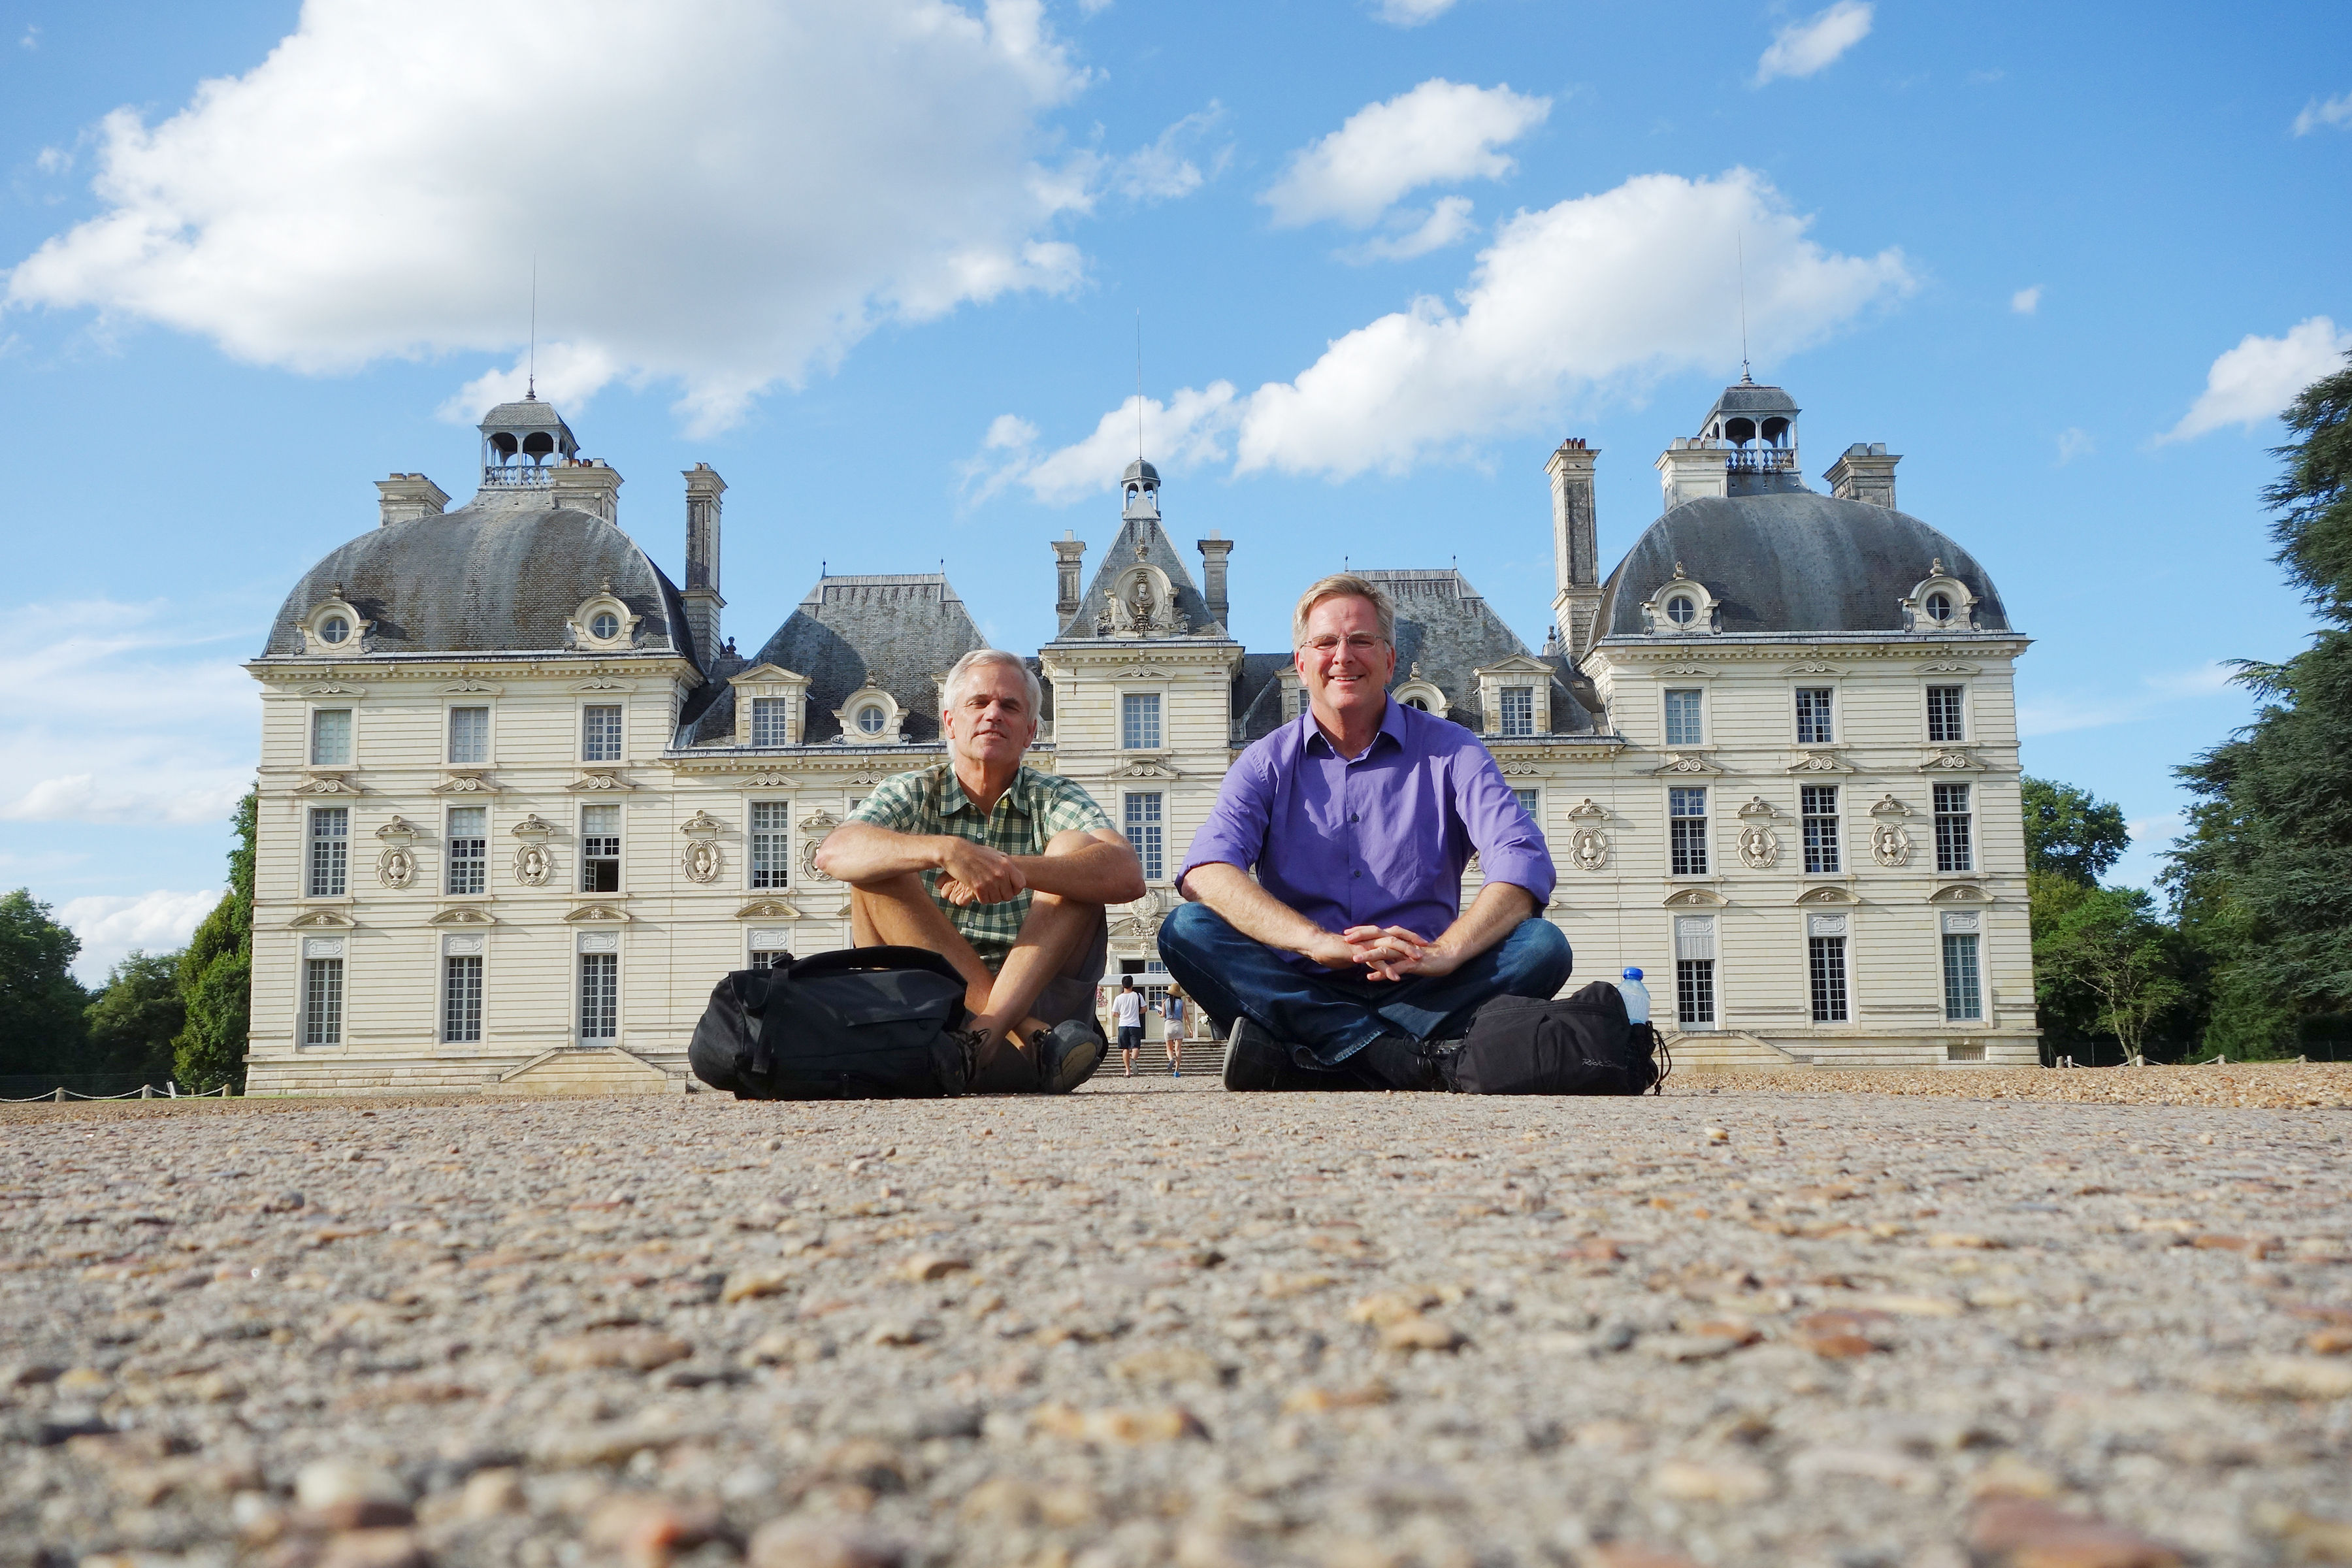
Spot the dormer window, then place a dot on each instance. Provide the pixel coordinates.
(334, 629)
(602, 623)
(1417, 704)
(1682, 609)
(1939, 607)
(604, 627)
(334, 626)
(1939, 603)
(870, 719)
(870, 716)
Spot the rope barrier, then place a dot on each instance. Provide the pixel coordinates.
(144, 1091)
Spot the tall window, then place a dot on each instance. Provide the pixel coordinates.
(461, 997)
(470, 735)
(1825, 961)
(600, 732)
(1139, 720)
(1813, 716)
(1963, 994)
(331, 851)
(330, 737)
(1528, 799)
(600, 996)
(1518, 710)
(1694, 972)
(1682, 724)
(769, 725)
(1686, 831)
(1818, 805)
(1955, 849)
(769, 957)
(469, 849)
(1143, 831)
(322, 1001)
(1944, 717)
(772, 860)
(600, 849)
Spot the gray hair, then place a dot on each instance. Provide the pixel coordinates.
(1343, 585)
(953, 687)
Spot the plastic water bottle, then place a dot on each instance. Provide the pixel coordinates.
(1637, 998)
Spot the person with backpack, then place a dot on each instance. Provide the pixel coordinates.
(1173, 1033)
(1003, 870)
(1348, 963)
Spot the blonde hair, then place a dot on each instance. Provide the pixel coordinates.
(953, 687)
(1343, 585)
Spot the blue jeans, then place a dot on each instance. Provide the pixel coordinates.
(1330, 1014)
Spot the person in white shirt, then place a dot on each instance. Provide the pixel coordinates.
(1127, 1018)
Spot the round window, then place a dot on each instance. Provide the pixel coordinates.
(1416, 702)
(1682, 609)
(606, 626)
(334, 629)
(869, 719)
(1939, 607)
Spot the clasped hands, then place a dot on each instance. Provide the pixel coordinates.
(1384, 953)
(972, 873)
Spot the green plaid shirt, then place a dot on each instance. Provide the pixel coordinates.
(1033, 808)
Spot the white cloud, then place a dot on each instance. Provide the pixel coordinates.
(1594, 298)
(2163, 827)
(1189, 430)
(721, 196)
(1162, 172)
(110, 927)
(163, 725)
(2025, 302)
(1800, 48)
(2075, 442)
(1411, 13)
(2336, 111)
(1447, 223)
(2250, 383)
(32, 38)
(1441, 133)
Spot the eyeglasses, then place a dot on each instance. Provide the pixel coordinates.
(1358, 642)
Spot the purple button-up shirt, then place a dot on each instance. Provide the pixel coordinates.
(1376, 840)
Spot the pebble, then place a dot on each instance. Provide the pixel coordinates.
(2026, 1532)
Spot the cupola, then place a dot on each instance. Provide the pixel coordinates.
(520, 441)
(1758, 428)
(1140, 490)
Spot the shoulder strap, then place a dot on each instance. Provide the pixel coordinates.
(849, 960)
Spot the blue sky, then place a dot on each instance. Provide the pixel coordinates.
(882, 264)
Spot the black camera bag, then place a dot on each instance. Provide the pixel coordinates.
(865, 1023)
(1579, 1043)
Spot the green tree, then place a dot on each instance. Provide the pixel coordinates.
(215, 974)
(132, 1022)
(2108, 945)
(2071, 831)
(2264, 877)
(40, 1001)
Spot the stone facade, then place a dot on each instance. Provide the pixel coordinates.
(522, 806)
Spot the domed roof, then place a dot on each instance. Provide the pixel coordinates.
(1793, 562)
(529, 414)
(501, 574)
(1140, 469)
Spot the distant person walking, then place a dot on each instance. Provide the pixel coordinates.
(1127, 1017)
(1172, 1036)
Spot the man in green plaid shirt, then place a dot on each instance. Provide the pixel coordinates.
(1001, 870)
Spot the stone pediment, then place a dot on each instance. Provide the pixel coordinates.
(322, 919)
(599, 780)
(1950, 759)
(598, 913)
(464, 915)
(1146, 768)
(1958, 894)
(466, 781)
(328, 783)
(1685, 762)
(768, 910)
(1820, 763)
(1695, 899)
(1825, 895)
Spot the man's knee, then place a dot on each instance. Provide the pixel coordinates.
(1537, 959)
(1188, 931)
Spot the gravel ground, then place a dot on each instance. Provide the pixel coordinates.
(2270, 1084)
(1154, 1322)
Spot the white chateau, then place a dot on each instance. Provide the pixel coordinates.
(522, 804)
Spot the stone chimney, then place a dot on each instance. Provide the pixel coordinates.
(1865, 472)
(703, 603)
(1575, 545)
(1214, 550)
(1069, 552)
(404, 498)
(587, 485)
(1692, 469)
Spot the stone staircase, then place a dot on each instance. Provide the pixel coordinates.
(1728, 1050)
(569, 1071)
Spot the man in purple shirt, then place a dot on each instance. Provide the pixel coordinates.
(1349, 962)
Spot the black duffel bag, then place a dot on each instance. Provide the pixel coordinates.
(866, 1022)
(1579, 1043)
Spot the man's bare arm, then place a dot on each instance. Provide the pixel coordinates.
(1260, 916)
(1105, 871)
(861, 853)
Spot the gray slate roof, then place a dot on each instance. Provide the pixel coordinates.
(1445, 626)
(1747, 398)
(500, 574)
(1792, 563)
(894, 631)
(1257, 696)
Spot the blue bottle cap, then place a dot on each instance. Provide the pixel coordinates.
(1632, 974)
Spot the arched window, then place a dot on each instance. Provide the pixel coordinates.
(870, 717)
(503, 445)
(334, 629)
(1682, 609)
(538, 444)
(1939, 607)
(606, 626)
